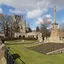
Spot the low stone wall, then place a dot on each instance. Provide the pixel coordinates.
(2, 51)
(56, 51)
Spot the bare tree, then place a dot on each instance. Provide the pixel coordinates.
(43, 27)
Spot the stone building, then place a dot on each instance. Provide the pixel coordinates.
(22, 29)
(18, 26)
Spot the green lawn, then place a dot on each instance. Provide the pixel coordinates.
(28, 56)
(21, 41)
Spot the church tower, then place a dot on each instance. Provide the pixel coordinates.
(22, 25)
(54, 37)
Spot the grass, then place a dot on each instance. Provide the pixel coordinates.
(28, 56)
(21, 42)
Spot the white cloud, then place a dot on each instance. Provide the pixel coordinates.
(0, 10)
(15, 11)
(34, 13)
(30, 5)
(39, 21)
(33, 5)
(33, 28)
(45, 20)
(48, 16)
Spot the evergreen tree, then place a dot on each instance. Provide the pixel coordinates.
(37, 29)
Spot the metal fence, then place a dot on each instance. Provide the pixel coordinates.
(8, 57)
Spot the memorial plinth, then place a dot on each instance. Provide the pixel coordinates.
(54, 37)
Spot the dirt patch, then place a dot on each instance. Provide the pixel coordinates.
(47, 47)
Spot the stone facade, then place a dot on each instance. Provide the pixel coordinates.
(17, 34)
(22, 26)
(37, 35)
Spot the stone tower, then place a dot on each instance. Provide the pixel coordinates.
(22, 25)
(54, 37)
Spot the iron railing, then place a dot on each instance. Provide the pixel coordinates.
(8, 57)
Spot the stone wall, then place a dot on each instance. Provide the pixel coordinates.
(56, 51)
(2, 51)
(37, 35)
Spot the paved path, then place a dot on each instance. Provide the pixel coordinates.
(3, 61)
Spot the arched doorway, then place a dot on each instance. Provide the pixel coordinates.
(23, 36)
(19, 36)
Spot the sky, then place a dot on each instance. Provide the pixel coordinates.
(34, 11)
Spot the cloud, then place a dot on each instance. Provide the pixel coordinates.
(33, 28)
(34, 13)
(48, 16)
(45, 20)
(58, 3)
(39, 21)
(15, 11)
(31, 6)
(27, 4)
